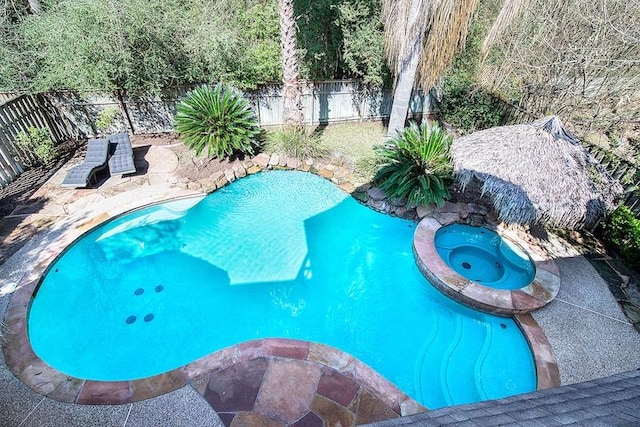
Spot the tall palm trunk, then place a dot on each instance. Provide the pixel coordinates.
(406, 74)
(291, 95)
(421, 38)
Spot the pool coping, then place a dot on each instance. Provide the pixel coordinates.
(45, 380)
(540, 292)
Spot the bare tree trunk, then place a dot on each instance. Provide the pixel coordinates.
(406, 77)
(291, 96)
(125, 110)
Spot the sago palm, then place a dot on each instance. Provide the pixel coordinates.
(218, 119)
(416, 165)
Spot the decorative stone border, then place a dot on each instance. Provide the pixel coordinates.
(42, 378)
(542, 290)
(29, 368)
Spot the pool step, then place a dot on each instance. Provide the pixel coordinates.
(453, 362)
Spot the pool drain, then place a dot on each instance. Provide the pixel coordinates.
(466, 265)
(148, 317)
(139, 292)
(130, 320)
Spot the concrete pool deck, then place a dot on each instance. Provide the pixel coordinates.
(589, 335)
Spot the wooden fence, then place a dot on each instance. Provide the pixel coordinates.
(69, 115)
(624, 171)
(18, 115)
(322, 102)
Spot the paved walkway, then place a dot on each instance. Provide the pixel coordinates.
(589, 335)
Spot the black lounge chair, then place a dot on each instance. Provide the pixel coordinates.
(121, 161)
(94, 160)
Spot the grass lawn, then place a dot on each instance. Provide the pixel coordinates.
(353, 143)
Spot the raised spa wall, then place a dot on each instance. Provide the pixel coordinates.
(542, 290)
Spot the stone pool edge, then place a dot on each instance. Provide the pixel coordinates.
(45, 380)
(508, 303)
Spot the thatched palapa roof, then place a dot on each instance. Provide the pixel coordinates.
(536, 173)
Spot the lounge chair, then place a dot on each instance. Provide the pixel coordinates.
(121, 161)
(94, 160)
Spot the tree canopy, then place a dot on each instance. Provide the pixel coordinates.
(145, 45)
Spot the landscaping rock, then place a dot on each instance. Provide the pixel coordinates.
(254, 169)
(395, 201)
(239, 171)
(293, 163)
(379, 205)
(228, 173)
(446, 217)
(208, 185)
(375, 193)
(347, 186)
(221, 182)
(477, 220)
(360, 196)
(262, 160)
(325, 173)
(400, 211)
(273, 161)
(424, 210)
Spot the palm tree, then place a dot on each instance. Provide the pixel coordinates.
(421, 39)
(291, 95)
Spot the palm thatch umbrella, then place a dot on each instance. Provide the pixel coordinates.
(536, 173)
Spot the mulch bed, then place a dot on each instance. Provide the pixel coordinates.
(18, 192)
(16, 231)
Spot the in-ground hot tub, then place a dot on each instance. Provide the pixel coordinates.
(485, 257)
(481, 268)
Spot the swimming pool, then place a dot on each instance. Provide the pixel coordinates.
(278, 254)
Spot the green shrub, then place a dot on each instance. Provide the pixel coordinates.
(38, 142)
(468, 107)
(105, 119)
(295, 142)
(218, 119)
(416, 165)
(621, 232)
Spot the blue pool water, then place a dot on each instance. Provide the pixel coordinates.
(277, 254)
(481, 255)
